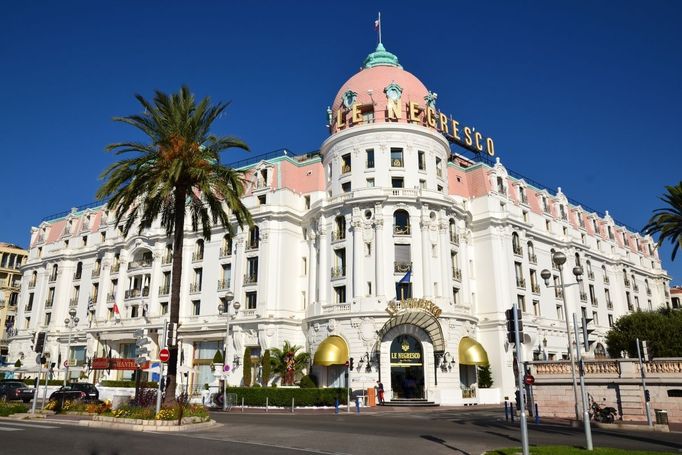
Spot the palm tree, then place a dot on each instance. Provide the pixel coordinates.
(176, 171)
(667, 221)
(288, 363)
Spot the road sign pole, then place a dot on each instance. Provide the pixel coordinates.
(583, 392)
(647, 406)
(519, 380)
(162, 342)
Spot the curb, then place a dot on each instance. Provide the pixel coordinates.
(148, 428)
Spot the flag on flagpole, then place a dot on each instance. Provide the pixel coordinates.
(406, 278)
(117, 313)
(377, 26)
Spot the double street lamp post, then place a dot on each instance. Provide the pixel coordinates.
(71, 322)
(224, 309)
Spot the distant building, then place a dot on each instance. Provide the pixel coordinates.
(385, 247)
(676, 297)
(12, 258)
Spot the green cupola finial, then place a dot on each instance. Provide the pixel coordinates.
(381, 57)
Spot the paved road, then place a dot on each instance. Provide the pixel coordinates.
(439, 431)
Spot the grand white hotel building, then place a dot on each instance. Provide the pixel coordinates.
(337, 233)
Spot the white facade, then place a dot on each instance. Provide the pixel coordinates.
(336, 232)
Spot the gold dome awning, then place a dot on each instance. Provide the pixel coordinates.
(472, 353)
(332, 351)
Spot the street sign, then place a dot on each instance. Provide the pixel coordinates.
(66, 363)
(142, 351)
(226, 368)
(529, 379)
(164, 355)
(138, 333)
(140, 361)
(142, 341)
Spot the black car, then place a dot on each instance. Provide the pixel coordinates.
(81, 391)
(15, 390)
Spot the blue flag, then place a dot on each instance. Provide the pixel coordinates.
(406, 278)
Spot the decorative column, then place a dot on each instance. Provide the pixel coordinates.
(426, 257)
(357, 258)
(312, 268)
(379, 251)
(238, 266)
(323, 247)
(446, 267)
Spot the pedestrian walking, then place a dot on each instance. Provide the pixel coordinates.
(380, 392)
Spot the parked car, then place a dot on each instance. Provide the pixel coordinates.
(15, 390)
(82, 391)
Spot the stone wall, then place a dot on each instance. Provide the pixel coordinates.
(614, 383)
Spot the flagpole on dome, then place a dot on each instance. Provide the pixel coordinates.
(377, 26)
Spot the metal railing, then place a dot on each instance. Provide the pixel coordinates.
(535, 288)
(96, 272)
(167, 259)
(532, 258)
(338, 272)
(48, 303)
(583, 296)
(252, 245)
(518, 250)
(606, 280)
(595, 302)
(194, 287)
(521, 283)
(457, 273)
(197, 256)
(401, 230)
(223, 284)
(164, 289)
(225, 251)
(250, 278)
(402, 266)
(338, 235)
(590, 275)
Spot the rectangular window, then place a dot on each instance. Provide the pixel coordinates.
(48, 318)
(370, 158)
(455, 296)
(610, 320)
(345, 163)
(164, 307)
(595, 318)
(251, 301)
(422, 184)
(346, 187)
(421, 160)
(403, 291)
(536, 308)
(560, 312)
(397, 182)
(439, 168)
(340, 294)
(370, 183)
(397, 157)
(306, 200)
(196, 307)
(521, 301)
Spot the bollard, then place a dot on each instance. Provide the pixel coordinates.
(506, 411)
(242, 404)
(512, 411)
(292, 405)
(357, 405)
(537, 414)
(266, 404)
(336, 406)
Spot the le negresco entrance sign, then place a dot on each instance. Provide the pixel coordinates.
(397, 307)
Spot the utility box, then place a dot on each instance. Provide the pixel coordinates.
(661, 416)
(371, 397)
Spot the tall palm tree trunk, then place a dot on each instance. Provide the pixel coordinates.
(176, 281)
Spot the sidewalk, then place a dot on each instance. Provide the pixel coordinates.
(363, 410)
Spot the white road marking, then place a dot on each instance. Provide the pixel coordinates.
(27, 425)
(10, 429)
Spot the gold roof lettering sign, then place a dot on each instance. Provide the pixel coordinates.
(397, 307)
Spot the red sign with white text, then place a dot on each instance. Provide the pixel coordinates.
(105, 363)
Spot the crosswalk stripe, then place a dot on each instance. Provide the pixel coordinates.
(10, 429)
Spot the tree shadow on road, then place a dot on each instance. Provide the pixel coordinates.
(442, 442)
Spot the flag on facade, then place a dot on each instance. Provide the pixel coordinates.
(117, 313)
(406, 278)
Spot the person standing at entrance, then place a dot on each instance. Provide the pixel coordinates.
(380, 392)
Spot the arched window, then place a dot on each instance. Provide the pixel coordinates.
(226, 247)
(401, 222)
(532, 258)
(339, 232)
(79, 271)
(198, 250)
(452, 229)
(55, 270)
(516, 244)
(168, 256)
(577, 260)
(254, 238)
(551, 259)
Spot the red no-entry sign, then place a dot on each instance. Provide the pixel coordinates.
(164, 355)
(529, 379)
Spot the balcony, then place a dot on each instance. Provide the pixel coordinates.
(518, 250)
(439, 172)
(521, 283)
(338, 272)
(48, 303)
(197, 256)
(457, 273)
(606, 279)
(590, 275)
(338, 236)
(111, 298)
(630, 307)
(28, 308)
(454, 238)
(194, 288)
(116, 267)
(135, 265)
(524, 198)
(224, 285)
(252, 245)
(401, 230)
(226, 251)
(532, 258)
(73, 302)
(583, 296)
(164, 289)
(52, 278)
(402, 267)
(167, 259)
(535, 288)
(92, 300)
(135, 293)
(251, 278)
(554, 266)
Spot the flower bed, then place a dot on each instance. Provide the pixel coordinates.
(7, 409)
(281, 396)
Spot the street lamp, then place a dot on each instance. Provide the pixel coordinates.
(71, 322)
(224, 309)
(559, 259)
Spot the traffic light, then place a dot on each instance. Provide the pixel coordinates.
(172, 334)
(588, 340)
(39, 342)
(647, 396)
(511, 329)
(350, 364)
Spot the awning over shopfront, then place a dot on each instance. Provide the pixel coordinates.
(332, 351)
(471, 352)
(420, 318)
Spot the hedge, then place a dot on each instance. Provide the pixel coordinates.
(280, 396)
(143, 385)
(32, 382)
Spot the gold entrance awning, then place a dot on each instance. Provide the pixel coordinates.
(471, 352)
(332, 351)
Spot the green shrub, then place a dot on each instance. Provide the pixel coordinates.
(267, 366)
(307, 383)
(485, 377)
(7, 409)
(31, 382)
(145, 385)
(282, 396)
(246, 378)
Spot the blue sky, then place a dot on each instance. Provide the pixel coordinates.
(582, 95)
